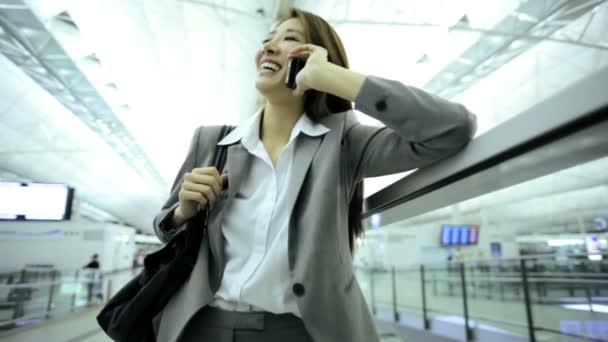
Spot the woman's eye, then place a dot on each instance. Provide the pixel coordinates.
(286, 38)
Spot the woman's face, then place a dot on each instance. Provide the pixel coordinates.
(271, 59)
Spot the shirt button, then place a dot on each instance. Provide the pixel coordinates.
(298, 289)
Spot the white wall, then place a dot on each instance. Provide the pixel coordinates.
(119, 247)
(67, 245)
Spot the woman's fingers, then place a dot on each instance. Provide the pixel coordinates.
(205, 190)
(193, 196)
(304, 54)
(302, 49)
(211, 171)
(307, 50)
(212, 181)
(206, 185)
(202, 185)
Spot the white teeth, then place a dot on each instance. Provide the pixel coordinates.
(270, 65)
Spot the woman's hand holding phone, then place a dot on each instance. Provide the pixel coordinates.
(199, 189)
(315, 57)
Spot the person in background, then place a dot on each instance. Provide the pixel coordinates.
(94, 264)
(92, 275)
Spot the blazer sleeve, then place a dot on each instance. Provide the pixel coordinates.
(162, 219)
(420, 128)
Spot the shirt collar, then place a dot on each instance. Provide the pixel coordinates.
(249, 131)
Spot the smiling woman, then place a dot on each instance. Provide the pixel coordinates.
(275, 263)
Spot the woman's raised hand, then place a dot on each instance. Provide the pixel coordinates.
(316, 58)
(200, 187)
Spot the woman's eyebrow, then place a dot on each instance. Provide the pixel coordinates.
(288, 30)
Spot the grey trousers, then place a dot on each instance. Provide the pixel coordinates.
(216, 325)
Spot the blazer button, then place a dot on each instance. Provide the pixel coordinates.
(381, 105)
(298, 289)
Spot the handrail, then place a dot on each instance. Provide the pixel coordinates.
(55, 301)
(83, 280)
(531, 280)
(575, 108)
(67, 271)
(491, 320)
(487, 319)
(510, 262)
(457, 283)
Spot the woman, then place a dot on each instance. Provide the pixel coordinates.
(277, 262)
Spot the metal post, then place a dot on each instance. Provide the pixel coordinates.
(524, 279)
(394, 281)
(109, 290)
(371, 287)
(589, 300)
(435, 283)
(450, 283)
(49, 305)
(425, 319)
(467, 330)
(502, 291)
(75, 292)
(490, 284)
(473, 283)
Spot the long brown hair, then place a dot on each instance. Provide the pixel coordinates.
(318, 104)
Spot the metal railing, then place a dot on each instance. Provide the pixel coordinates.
(455, 286)
(33, 295)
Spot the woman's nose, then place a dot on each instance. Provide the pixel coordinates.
(270, 48)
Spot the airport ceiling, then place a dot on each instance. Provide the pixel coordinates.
(105, 94)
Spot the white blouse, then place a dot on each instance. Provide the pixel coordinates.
(255, 226)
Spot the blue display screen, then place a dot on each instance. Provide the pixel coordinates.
(459, 235)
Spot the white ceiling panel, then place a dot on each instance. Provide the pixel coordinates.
(168, 66)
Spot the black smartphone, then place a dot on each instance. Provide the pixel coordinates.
(293, 67)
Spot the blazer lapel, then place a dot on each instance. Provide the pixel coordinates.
(237, 164)
(305, 151)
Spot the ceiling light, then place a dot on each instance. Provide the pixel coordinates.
(496, 39)
(527, 17)
(465, 61)
(516, 44)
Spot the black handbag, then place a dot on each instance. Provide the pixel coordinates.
(128, 314)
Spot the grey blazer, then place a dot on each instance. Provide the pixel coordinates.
(420, 129)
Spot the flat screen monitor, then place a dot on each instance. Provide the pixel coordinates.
(459, 235)
(35, 201)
